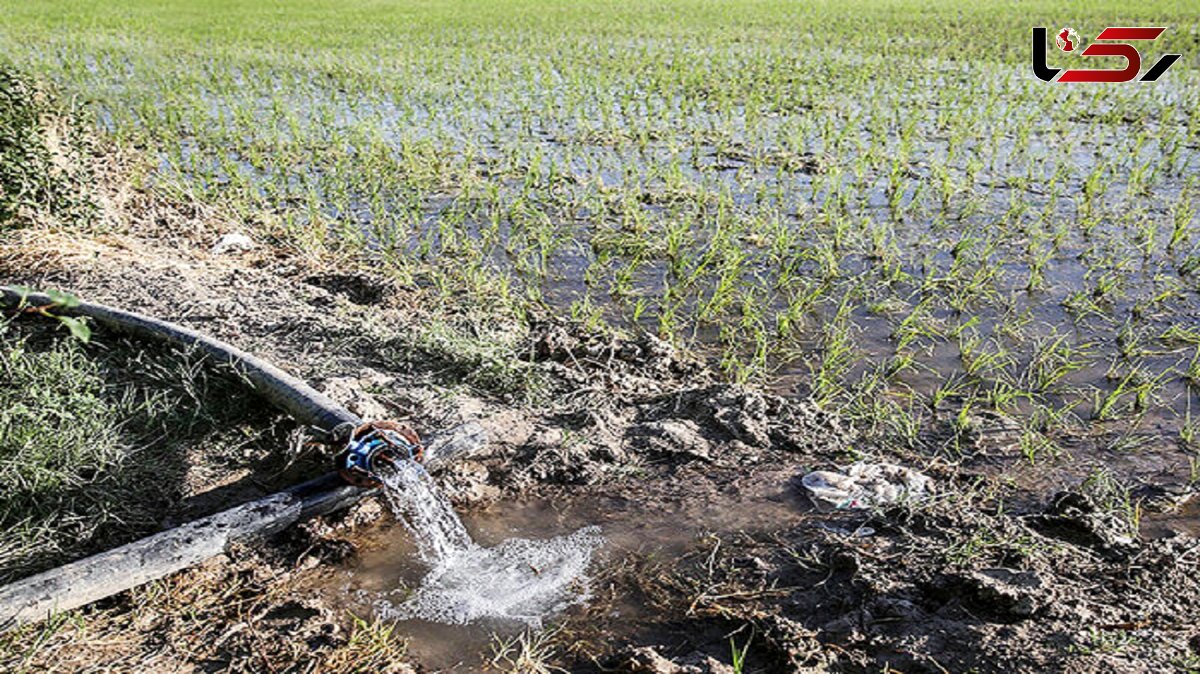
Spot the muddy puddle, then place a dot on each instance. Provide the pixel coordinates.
(389, 565)
(1182, 518)
(676, 522)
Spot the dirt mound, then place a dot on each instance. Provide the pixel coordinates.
(605, 361)
(905, 589)
(723, 414)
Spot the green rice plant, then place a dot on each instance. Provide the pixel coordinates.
(1034, 445)
(1137, 384)
(1183, 214)
(1191, 373)
(738, 654)
(1178, 335)
(1055, 357)
(726, 195)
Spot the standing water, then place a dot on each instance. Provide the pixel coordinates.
(518, 580)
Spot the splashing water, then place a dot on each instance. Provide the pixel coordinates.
(520, 580)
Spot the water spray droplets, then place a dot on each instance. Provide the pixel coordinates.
(519, 580)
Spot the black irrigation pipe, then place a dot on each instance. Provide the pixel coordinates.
(102, 575)
(303, 402)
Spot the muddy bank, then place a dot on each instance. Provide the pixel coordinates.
(959, 585)
(1009, 567)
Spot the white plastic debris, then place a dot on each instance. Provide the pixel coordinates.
(233, 242)
(864, 485)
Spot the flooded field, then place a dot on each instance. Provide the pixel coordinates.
(886, 220)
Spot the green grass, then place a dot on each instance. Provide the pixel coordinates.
(1110, 495)
(97, 441)
(873, 196)
(57, 431)
(480, 354)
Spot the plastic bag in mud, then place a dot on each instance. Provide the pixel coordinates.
(865, 485)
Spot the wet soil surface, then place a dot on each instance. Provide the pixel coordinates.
(712, 546)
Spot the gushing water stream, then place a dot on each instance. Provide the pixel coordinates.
(518, 580)
(417, 502)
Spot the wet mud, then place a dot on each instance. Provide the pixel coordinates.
(711, 545)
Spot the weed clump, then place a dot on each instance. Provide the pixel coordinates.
(485, 359)
(98, 442)
(42, 171)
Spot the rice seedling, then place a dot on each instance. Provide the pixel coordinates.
(927, 210)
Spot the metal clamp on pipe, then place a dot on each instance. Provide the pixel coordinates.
(373, 445)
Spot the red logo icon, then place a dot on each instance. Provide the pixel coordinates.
(1110, 42)
(1067, 40)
